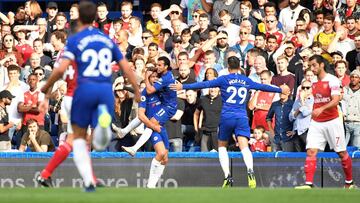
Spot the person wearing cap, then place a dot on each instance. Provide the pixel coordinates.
(351, 109)
(5, 123)
(51, 10)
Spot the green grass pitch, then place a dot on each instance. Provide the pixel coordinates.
(181, 195)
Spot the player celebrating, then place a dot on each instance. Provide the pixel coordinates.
(167, 110)
(93, 53)
(326, 125)
(234, 89)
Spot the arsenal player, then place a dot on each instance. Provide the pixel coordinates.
(326, 126)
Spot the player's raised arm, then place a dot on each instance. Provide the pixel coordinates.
(56, 74)
(197, 85)
(267, 88)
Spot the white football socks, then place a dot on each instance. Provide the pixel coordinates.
(143, 139)
(82, 161)
(102, 137)
(156, 170)
(224, 161)
(132, 125)
(248, 158)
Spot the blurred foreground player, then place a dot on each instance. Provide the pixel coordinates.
(64, 149)
(234, 89)
(326, 126)
(93, 100)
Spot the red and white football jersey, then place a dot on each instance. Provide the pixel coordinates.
(322, 91)
(70, 75)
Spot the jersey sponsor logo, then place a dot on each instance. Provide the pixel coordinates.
(322, 100)
(143, 98)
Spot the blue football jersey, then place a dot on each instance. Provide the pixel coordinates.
(167, 96)
(93, 53)
(150, 102)
(234, 92)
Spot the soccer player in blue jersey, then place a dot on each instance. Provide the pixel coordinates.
(234, 92)
(93, 100)
(155, 125)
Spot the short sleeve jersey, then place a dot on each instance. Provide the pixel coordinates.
(93, 53)
(322, 91)
(166, 95)
(150, 102)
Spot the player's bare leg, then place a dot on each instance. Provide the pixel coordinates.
(60, 155)
(82, 157)
(142, 140)
(124, 131)
(157, 164)
(346, 163)
(225, 163)
(309, 168)
(248, 159)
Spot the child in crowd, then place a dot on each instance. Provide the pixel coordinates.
(259, 140)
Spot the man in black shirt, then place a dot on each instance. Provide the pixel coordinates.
(5, 124)
(207, 128)
(173, 128)
(187, 120)
(352, 56)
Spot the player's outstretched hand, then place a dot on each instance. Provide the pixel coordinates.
(44, 106)
(176, 86)
(285, 89)
(157, 128)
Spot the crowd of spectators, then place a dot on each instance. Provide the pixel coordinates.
(273, 40)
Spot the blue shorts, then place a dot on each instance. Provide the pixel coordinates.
(164, 114)
(238, 126)
(160, 137)
(86, 99)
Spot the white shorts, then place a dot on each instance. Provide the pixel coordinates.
(66, 106)
(331, 132)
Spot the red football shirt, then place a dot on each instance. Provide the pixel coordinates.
(322, 91)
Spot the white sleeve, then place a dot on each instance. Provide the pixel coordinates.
(41, 97)
(183, 3)
(334, 84)
(20, 98)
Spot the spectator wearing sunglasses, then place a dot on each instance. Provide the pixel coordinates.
(301, 112)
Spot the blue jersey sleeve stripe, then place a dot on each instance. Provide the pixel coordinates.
(68, 55)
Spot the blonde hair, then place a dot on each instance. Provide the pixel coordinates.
(35, 9)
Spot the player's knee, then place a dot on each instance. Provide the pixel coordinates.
(162, 154)
(165, 161)
(311, 152)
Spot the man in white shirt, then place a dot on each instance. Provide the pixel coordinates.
(229, 27)
(289, 15)
(135, 32)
